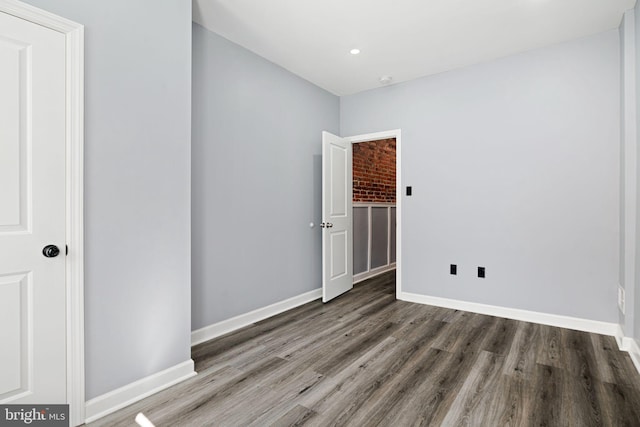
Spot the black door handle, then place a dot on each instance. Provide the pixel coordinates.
(51, 251)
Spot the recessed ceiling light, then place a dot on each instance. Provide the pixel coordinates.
(354, 51)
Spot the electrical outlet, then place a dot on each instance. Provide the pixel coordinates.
(621, 299)
(481, 273)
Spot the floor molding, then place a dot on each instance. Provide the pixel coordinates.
(630, 346)
(585, 325)
(361, 277)
(224, 327)
(124, 396)
(634, 352)
(623, 344)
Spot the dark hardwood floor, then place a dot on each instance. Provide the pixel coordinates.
(366, 359)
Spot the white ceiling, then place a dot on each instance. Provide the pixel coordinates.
(404, 39)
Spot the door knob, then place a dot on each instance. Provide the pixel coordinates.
(51, 251)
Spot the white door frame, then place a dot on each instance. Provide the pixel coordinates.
(74, 127)
(396, 133)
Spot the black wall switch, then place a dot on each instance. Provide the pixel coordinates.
(481, 272)
(408, 190)
(453, 269)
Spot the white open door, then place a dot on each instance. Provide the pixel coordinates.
(33, 345)
(337, 226)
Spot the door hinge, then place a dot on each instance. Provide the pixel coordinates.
(66, 250)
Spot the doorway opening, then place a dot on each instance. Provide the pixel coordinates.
(376, 207)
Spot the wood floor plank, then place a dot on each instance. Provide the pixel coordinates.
(438, 390)
(509, 404)
(381, 395)
(339, 358)
(520, 360)
(282, 392)
(366, 359)
(466, 334)
(336, 390)
(383, 302)
(466, 409)
(340, 331)
(473, 338)
(404, 357)
(621, 406)
(500, 337)
(450, 316)
(208, 407)
(549, 406)
(451, 335)
(301, 339)
(297, 416)
(382, 390)
(249, 334)
(601, 348)
(585, 398)
(549, 346)
(624, 372)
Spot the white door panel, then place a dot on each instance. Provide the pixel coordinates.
(14, 83)
(14, 298)
(338, 179)
(32, 213)
(338, 252)
(337, 241)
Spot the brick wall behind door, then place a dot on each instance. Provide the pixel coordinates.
(374, 171)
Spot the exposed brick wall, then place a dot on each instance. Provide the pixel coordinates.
(374, 171)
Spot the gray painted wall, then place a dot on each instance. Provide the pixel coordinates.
(515, 167)
(256, 180)
(137, 186)
(628, 169)
(636, 293)
(622, 262)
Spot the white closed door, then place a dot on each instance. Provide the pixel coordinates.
(32, 213)
(337, 216)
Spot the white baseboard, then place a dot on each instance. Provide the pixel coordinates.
(594, 326)
(634, 353)
(630, 346)
(224, 327)
(369, 274)
(124, 396)
(622, 341)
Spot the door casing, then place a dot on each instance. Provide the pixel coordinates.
(74, 182)
(396, 133)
